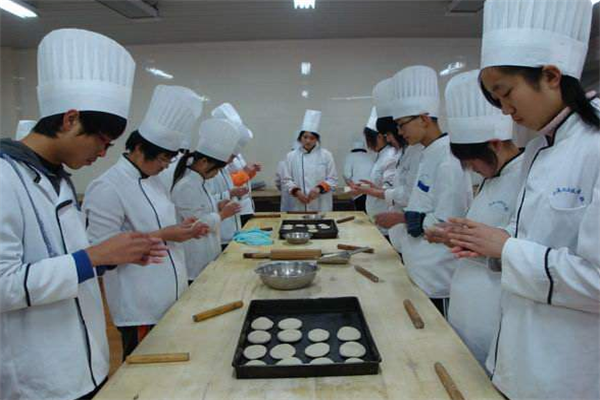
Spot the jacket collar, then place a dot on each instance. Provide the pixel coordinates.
(130, 168)
(560, 127)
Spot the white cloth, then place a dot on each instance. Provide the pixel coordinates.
(192, 198)
(442, 190)
(23, 128)
(416, 92)
(306, 171)
(246, 202)
(372, 121)
(549, 339)
(220, 187)
(383, 175)
(311, 122)
(172, 113)
(121, 200)
(475, 290)
(358, 166)
(534, 33)
(84, 71)
(471, 118)
(383, 97)
(218, 138)
(49, 321)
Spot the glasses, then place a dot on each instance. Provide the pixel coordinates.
(165, 160)
(408, 121)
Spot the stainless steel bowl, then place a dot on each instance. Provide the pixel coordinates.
(312, 217)
(287, 275)
(297, 237)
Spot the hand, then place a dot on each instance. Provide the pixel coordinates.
(301, 197)
(128, 248)
(370, 184)
(254, 168)
(222, 204)
(230, 209)
(388, 219)
(474, 239)
(239, 191)
(439, 234)
(314, 193)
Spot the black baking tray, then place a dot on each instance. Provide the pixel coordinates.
(327, 233)
(326, 313)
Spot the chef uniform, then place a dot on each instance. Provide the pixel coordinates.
(23, 128)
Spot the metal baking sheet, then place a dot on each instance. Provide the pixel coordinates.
(326, 313)
(326, 233)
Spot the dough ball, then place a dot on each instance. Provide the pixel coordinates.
(282, 351)
(289, 336)
(259, 337)
(290, 361)
(262, 324)
(352, 349)
(354, 360)
(290, 323)
(321, 361)
(317, 350)
(348, 333)
(318, 335)
(255, 363)
(255, 351)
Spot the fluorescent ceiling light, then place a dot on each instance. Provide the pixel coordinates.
(18, 8)
(351, 98)
(159, 73)
(304, 4)
(305, 94)
(452, 68)
(305, 68)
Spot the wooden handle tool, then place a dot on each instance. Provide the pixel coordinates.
(347, 219)
(366, 273)
(257, 256)
(350, 247)
(413, 314)
(267, 229)
(157, 358)
(448, 382)
(217, 311)
(267, 216)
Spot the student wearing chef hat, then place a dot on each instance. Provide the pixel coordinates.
(286, 197)
(310, 174)
(217, 142)
(129, 196)
(442, 188)
(53, 340)
(548, 342)
(357, 168)
(482, 139)
(23, 128)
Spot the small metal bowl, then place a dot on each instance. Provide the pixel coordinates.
(312, 217)
(297, 237)
(287, 275)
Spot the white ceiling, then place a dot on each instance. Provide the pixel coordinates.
(228, 20)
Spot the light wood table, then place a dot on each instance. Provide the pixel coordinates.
(407, 370)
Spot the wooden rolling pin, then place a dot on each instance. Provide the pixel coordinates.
(413, 314)
(267, 216)
(366, 273)
(157, 358)
(347, 219)
(350, 247)
(217, 311)
(448, 382)
(275, 254)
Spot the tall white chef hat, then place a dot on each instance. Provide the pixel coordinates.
(84, 71)
(372, 122)
(218, 138)
(383, 97)
(416, 92)
(533, 33)
(24, 127)
(171, 116)
(471, 118)
(311, 122)
(228, 112)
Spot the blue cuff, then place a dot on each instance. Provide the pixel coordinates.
(414, 223)
(83, 263)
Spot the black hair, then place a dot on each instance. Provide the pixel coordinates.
(387, 125)
(195, 156)
(573, 94)
(92, 123)
(474, 151)
(314, 133)
(371, 138)
(148, 149)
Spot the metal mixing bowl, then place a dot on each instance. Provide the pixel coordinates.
(287, 275)
(297, 237)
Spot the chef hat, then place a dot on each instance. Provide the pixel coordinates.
(471, 118)
(228, 112)
(312, 121)
(372, 122)
(171, 116)
(359, 145)
(534, 33)
(383, 97)
(218, 138)
(23, 128)
(416, 92)
(84, 71)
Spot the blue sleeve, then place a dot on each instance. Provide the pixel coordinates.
(83, 263)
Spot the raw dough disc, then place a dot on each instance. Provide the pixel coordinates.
(290, 323)
(348, 333)
(289, 336)
(287, 227)
(317, 350)
(313, 230)
(259, 337)
(255, 351)
(318, 335)
(321, 361)
(353, 360)
(299, 225)
(282, 351)
(352, 349)
(290, 361)
(255, 363)
(262, 324)
(323, 226)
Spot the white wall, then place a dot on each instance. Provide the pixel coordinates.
(8, 99)
(263, 81)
